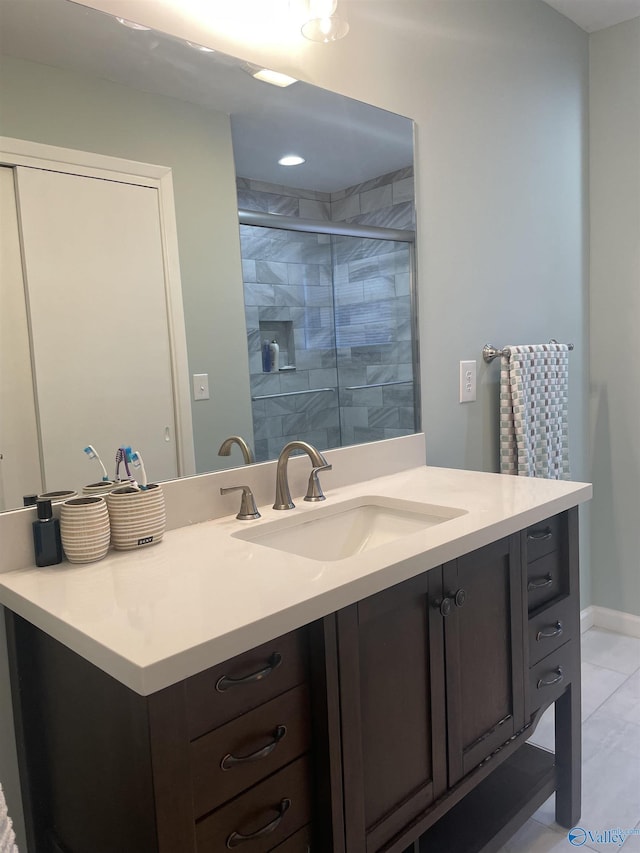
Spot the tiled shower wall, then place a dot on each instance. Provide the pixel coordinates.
(297, 281)
(287, 277)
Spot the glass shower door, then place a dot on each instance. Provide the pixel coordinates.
(289, 298)
(374, 338)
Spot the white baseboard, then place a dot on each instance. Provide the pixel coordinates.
(586, 619)
(611, 620)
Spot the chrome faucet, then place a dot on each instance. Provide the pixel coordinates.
(319, 463)
(247, 452)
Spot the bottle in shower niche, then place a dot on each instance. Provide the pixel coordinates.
(47, 543)
(266, 357)
(274, 350)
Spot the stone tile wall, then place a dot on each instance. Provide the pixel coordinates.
(287, 277)
(387, 201)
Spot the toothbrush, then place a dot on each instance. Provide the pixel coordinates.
(92, 453)
(123, 455)
(136, 459)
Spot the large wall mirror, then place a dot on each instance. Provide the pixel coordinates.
(317, 257)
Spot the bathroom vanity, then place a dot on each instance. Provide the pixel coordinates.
(214, 692)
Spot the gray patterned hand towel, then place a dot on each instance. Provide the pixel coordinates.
(534, 391)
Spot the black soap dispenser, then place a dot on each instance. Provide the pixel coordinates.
(46, 536)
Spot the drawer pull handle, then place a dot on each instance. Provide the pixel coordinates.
(556, 631)
(226, 682)
(539, 583)
(557, 678)
(236, 839)
(230, 761)
(540, 535)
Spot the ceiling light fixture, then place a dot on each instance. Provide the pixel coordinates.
(273, 77)
(131, 24)
(291, 160)
(323, 23)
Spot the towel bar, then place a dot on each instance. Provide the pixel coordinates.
(489, 352)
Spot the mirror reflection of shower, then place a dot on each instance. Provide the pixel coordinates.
(333, 301)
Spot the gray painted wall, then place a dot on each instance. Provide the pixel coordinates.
(615, 312)
(63, 108)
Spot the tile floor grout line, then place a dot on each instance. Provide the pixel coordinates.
(611, 669)
(604, 701)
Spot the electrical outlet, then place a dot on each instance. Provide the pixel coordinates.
(200, 386)
(467, 381)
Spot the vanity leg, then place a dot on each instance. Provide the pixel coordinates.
(568, 755)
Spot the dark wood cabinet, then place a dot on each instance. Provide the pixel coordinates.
(399, 723)
(392, 709)
(220, 760)
(483, 653)
(431, 683)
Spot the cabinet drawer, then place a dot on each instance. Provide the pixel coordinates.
(261, 818)
(551, 628)
(544, 580)
(235, 756)
(298, 843)
(544, 537)
(550, 676)
(234, 687)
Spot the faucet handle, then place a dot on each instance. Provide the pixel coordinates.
(248, 508)
(314, 489)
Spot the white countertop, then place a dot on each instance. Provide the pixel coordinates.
(155, 616)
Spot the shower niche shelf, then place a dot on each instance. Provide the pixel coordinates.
(282, 331)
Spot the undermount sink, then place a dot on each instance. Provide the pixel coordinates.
(349, 528)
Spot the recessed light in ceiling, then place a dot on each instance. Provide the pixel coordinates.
(200, 47)
(291, 160)
(131, 24)
(273, 77)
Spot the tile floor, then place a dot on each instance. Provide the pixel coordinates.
(610, 751)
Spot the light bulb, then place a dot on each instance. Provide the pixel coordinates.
(324, 23)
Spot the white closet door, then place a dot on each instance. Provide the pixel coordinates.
(99, 331)
(20, 462)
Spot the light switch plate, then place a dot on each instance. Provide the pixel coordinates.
(200, 386)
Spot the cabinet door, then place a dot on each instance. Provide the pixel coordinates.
(484, 653)
(392, 707)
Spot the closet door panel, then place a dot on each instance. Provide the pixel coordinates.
(96, 297)
(19, 451)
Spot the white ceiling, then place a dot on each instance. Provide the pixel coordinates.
(594, 15)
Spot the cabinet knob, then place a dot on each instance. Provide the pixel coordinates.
(444, 606)
(460, 598)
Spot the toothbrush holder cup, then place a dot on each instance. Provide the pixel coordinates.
(137, 516)
(84, 529)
